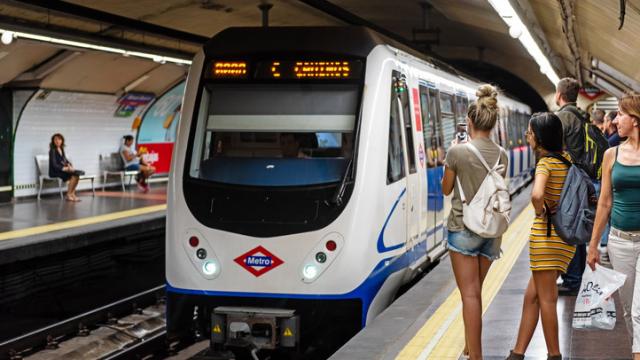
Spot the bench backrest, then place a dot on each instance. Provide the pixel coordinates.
(42, 164)
(111, 162)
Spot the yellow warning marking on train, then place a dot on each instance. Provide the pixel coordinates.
(217, 330)
(64, 225)
(442, 336)
(287, 332)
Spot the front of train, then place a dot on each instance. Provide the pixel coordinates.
(260, 217)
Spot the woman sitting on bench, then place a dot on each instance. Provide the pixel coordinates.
(134, 162)
(60, 167)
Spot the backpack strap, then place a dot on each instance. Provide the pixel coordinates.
(574, 110)
(548, 210)
(559, 157)
(477, 153)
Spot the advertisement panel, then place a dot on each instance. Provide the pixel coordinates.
(157, 131)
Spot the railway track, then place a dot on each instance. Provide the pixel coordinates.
(133, 327)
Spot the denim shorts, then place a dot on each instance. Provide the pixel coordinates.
(133, 167)
(467, 243)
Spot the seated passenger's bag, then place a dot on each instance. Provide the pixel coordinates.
(488, 213)
(595, 308)
(573, 219)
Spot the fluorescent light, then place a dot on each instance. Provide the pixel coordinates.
(83, 45)
(136, 82)
(517, 27)
(7, 37)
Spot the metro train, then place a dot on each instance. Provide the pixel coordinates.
(305, 187)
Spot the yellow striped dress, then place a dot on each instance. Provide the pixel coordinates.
(549, 253)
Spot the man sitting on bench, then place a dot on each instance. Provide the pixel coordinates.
(134, 162)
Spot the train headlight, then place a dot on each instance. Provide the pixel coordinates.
(310, 271)
(210, 267)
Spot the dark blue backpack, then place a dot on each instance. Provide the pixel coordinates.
(576, 211)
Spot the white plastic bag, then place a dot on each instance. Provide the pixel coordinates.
(595, 308)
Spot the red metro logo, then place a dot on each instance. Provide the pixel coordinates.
(258, 261)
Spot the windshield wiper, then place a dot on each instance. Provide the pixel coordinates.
(336, 199)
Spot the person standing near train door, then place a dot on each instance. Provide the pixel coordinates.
(573, 120)
(472, 255)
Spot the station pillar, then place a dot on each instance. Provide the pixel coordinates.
(6, 149)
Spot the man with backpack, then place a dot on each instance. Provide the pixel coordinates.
(586, 145)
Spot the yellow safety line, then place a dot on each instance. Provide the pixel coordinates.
(36, 230)
(442, 336)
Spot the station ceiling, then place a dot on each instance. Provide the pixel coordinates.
(467, 33)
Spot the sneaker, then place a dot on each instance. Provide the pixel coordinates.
(514, 356)
(142, 188)
(146, 188)
(564, 290)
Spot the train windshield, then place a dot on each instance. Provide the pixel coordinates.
(274, 134)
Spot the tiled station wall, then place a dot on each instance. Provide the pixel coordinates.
(87, 122)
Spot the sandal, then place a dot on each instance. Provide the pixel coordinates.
(554, 357)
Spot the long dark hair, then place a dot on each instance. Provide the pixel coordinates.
(547, 128)
(52, 145)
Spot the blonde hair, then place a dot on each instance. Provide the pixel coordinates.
(484, 111)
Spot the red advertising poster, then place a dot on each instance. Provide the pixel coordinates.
(158, 155)
(416, 109)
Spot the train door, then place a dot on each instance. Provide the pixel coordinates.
(396, 173)
(413, 180)
(433, 140)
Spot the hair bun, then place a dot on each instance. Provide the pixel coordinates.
(487, 96)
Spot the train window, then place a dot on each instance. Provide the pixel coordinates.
(431, 129)
(395, 161)
(402, 94)
(275, 134)
(447, 119)
(461, 108)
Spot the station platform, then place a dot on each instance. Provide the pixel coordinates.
(31, 228)
(426, 322)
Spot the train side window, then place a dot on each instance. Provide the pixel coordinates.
(395, 160)
(430, 127)
(447, 118)
(461, 108)
(402, 93)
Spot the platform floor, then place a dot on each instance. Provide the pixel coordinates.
(426, 322)
(50, 210)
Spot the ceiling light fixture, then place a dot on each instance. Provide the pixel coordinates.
(7, 37)
(5, 34)
(517, 27)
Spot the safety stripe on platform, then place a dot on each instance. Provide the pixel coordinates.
(442, 336)
(64, 225)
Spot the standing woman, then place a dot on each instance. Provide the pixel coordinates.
(549, 256)
(60, 167)
(471, 255)
(620, 198)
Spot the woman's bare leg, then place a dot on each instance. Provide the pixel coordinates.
(529, 319)
(467, 272)
(545, 282)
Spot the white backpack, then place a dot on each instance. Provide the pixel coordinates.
(488, 213)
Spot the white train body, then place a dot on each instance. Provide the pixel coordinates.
(387, 227)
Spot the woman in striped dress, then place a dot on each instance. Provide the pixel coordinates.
(548, 254)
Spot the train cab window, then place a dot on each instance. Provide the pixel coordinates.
(447, 118)
(395, 160)
(432, 131)
(275, 134)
